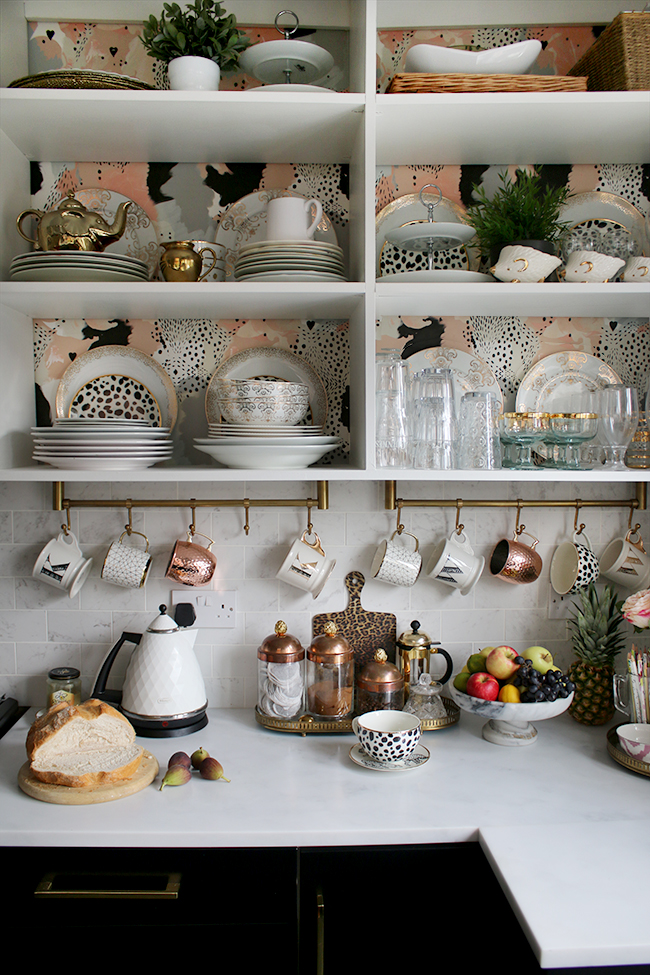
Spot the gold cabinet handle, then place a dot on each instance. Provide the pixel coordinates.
(167, 890)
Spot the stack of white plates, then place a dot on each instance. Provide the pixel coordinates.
(107, 444)
(290, 260)
(216, 430)
(265, 452)
(77, 266)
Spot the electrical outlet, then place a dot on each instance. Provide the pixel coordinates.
(559, 606)
(213, 608)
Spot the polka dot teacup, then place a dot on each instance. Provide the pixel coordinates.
(387, 736)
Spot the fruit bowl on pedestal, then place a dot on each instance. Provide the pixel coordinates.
(509, 724)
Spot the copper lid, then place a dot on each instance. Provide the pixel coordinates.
(328, 647)
(379, 675)
(282, 647)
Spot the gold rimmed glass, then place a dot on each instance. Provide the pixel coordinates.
(519, 432)
(565, 432)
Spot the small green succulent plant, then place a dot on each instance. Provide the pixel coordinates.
(202, 29)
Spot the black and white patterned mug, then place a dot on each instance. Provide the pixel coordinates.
(126, 565)
(387, 736)
(573, 566)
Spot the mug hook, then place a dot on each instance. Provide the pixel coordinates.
(578, 530)
(66, 529)
(128, 528)
(459, 527)
(400, 526)
(247, 506)
(519, 529)
(192, 528)
(636, 528)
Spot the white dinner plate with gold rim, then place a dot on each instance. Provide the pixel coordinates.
(244, 222)
(75, 272)
(118, 360)
(438, 276)
(271, 364)
(596, 205)
(288, 276)
(119, 463)
(471, 374)
(551, 383)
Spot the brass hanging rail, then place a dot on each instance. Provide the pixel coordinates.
(639, 502)
(61, 503)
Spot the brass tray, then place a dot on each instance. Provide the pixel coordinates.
(308, 725)
(643, 768)
(80, 78)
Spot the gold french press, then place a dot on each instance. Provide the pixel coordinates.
(414, 650)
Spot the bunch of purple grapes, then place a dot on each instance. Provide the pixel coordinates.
(536, 687)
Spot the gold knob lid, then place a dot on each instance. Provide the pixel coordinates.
(281, 646)
(380, 675)
(329, 647)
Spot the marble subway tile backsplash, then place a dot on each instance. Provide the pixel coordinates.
(41, 629)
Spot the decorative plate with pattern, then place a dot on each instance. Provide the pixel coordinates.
(550, 384)
(471, 374)
(120, 378)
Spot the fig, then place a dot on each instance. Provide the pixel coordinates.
(179, 758)
(198, 756)
(176, 775)
(212, 769)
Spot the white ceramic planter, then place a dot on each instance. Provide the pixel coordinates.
(191, 73)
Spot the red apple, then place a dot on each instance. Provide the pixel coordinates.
(484, 686)
(500, 662)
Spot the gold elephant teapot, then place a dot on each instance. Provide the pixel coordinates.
(72, 226)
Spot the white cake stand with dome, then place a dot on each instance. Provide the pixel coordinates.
(288, 65)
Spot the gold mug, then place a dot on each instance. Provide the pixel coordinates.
(180, 262)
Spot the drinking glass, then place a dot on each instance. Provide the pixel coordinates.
(619, 418)
(522, 431)
(391, 434)
(433, 421)
(566, 431)
(478, 432)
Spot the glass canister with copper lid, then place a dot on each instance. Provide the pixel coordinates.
(281, 674)
(329, 678)
(380, 686)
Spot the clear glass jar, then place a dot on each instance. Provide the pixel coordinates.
(329, 676)
(380, 686)
(280, 674)
(63, 685)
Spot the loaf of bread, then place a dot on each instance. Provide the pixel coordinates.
(82, 745)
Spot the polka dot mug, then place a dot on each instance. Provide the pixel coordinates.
(387, 736)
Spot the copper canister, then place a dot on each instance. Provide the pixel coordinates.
(330, 675)
(280, 674)
(380, 686)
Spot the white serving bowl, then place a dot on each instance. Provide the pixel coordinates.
(634, 739)
(266, 457)
(509, 724)
(511, 59)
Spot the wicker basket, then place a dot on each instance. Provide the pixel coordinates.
(436, 83)
(619, 60)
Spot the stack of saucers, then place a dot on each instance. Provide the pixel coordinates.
(290, 260)
(77, 266)
(109, 444)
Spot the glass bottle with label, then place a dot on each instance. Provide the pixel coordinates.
(63, 686)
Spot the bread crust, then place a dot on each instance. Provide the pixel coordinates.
(48, 725)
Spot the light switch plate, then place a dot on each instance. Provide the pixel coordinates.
(213, 608)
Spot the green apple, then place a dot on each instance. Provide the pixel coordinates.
(485, 651)
(460, 680)
(539, 657)
(476, 663)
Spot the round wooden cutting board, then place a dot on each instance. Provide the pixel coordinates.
(63, 795)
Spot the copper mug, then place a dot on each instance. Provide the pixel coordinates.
(514, 562)
(192, 564)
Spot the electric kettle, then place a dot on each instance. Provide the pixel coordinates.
(163, 693)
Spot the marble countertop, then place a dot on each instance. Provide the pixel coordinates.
(587, 816)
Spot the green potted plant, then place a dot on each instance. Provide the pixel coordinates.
(521, 211)
(200, 39)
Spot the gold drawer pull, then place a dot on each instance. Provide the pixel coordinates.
(164, 886)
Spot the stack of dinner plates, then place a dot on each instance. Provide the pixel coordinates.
(290, 260)
(101, 444)
(77, 266)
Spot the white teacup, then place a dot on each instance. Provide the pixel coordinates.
(454, 563)
(126, 565)
(62, 564)
(526, 265)
(388, 736)
(290, 218)
(573, 566)
(636, 269)
(209, 272)
(590, 266)
(396, 564)
(306, 565)
(626, 563)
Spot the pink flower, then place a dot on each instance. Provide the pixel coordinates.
(636, 609)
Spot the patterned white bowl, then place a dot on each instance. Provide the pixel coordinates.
(635, 741)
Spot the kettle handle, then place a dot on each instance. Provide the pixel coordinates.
(99, 690)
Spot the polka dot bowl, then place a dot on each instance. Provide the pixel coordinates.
(387, 736)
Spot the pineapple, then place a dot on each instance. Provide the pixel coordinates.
(596, 641)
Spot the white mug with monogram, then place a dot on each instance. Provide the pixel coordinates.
(127, 565)
(454, 563)
(62, 564)
(573, 566)
(626, 562)
(395, 563)
(306, 565)
(292, 218)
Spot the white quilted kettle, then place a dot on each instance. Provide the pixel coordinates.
(163, 692)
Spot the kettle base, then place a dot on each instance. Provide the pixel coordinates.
(167, 727)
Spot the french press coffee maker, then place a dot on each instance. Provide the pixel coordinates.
(414, 651)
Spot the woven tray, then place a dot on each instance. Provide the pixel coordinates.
(435, 83)
(619, 60)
